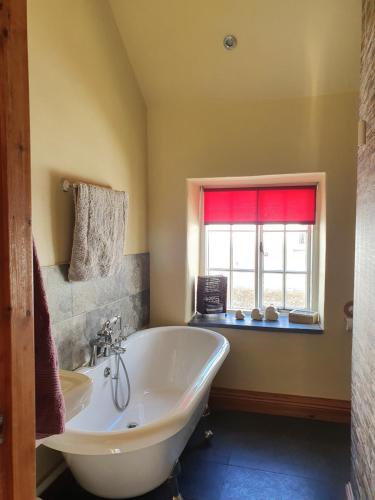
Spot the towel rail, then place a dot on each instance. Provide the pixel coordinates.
(67, 185)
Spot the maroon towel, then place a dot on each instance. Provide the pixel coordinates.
(49, 401)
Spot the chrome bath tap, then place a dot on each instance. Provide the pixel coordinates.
(104, 342)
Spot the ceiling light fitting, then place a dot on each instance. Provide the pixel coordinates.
(230, 42)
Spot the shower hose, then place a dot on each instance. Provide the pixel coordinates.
(116, 378)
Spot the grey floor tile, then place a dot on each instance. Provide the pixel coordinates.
(201, 479)
(250, 484)
(218, 449)
(277, 451)
(287, 455)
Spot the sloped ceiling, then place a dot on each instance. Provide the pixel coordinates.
(286, 48)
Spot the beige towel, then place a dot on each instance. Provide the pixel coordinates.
(99, 232)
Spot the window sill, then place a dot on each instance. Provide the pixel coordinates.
(229, 321)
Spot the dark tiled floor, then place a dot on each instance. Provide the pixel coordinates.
(252, 457)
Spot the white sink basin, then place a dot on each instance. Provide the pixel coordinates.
(76, 388)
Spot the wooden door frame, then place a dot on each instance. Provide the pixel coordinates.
(17, 385)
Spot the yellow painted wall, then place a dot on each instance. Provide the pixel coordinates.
(88, 119)
(218, 139)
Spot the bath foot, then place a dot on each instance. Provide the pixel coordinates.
(173, 482)
(207, 412)
(208, 435)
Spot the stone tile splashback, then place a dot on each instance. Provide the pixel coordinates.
(363, 358)
(78, 310)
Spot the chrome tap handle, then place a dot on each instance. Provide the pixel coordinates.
(113, 321)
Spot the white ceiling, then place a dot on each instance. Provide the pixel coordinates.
(286, 48)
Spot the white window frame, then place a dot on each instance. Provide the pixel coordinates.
(311, 268)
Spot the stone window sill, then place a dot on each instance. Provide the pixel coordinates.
(229, 321)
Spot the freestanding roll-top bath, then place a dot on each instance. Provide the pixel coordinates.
(125, 454)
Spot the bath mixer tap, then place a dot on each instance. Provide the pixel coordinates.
(101, 344)
(104, 342)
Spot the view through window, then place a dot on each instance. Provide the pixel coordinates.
(265, 265)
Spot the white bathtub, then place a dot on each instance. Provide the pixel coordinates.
(170, 371)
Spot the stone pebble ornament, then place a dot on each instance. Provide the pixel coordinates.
(256, 314)
(240, 314)
(270, 314)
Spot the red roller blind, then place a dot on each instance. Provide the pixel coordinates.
(263, 205)
(230, 206)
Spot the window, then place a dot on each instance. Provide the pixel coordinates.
(265, 263)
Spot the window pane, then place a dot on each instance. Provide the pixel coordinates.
(297, 227)
(272, 289)
(243, 250)
(273, 248)
(295, 291)
(243, 291)
(219, 249)
(296, 251)
(243, 227)
(273, 227)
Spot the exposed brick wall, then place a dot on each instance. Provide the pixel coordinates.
(363, 385)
